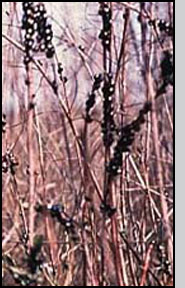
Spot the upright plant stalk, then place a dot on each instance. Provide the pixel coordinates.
(105, 36)
(122, 73)
(31, 157)
(38, 37)
(146, 265)
(108, 129)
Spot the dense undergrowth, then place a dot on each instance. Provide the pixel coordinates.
(87, 145)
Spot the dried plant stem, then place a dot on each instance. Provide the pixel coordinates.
(88, 257)
(146, 265)
(31, 157)
(115, 240)
(52, 238)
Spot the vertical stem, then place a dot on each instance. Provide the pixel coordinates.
(31, 156)
(115, 240)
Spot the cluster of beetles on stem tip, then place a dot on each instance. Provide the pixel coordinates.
(3, 123)
(38, 32)
(108, 123)
(60, 73)
(98, 78)
(165, 266)
(128, 133)
(57, 212)
(105, 34)
(127, 136)
(163, 26)
(167, 68)
(9, 162)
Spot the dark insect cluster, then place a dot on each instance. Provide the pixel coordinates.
(22, 278)
(165, 266)
(108, 124)
(163, 26)
(57, 212)
(127, 136)
(20, 275)
(91, 96)
(167, 68)
(105, 34)
(60, 73)
(38, 33)
(3, 123)
(107, 210)
(9, 162)
(29, 25)
(34, 259)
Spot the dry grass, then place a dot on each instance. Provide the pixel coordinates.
(83, 204)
